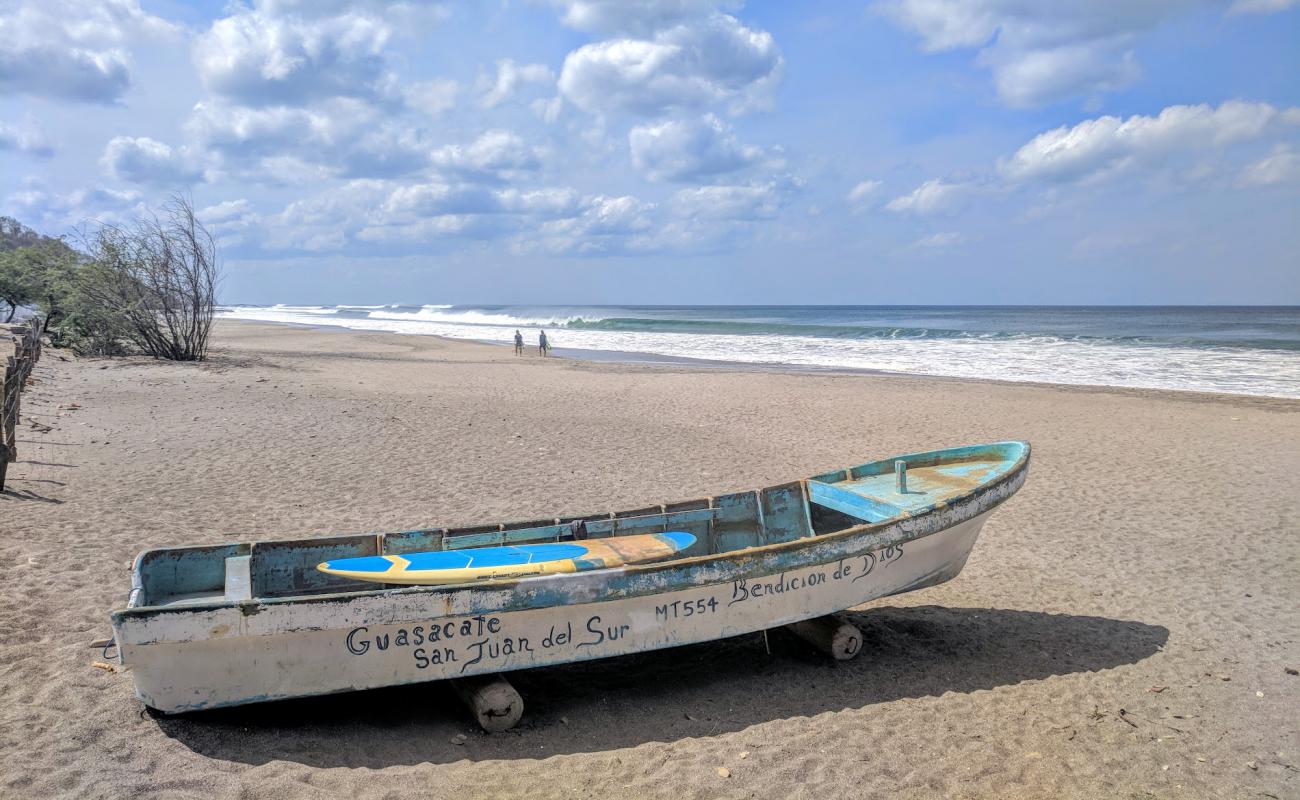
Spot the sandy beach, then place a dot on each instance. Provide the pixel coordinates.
(1124, 627)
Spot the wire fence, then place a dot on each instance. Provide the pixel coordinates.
(17, 371)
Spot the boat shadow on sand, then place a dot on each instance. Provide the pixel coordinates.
(692, 691)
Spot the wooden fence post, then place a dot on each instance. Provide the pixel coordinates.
(18, 368)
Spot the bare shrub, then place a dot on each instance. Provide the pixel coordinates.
(155, 281)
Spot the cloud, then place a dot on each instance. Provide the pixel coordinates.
(547, 110)
(77, 50)
(510, 78)
(711, 61)
(432, 97)
(737, 203)
(1106, 145)
(232, 222)
(549, 203)
(325, 221)
(689, 150)
(438, 199)
(25, 138)
(1036, 77)
(1039, 52)
(637, 18)
(863, 191)
(304, 91)
(432, 211)
(493, 154)
(936, 241)
(556, 220)
(225, 211)
(605, 226)
(1260, 6)
(278, 144)
(1280, 166)
(247, 132)
(932, 197)
(145, 160)
(64, 212)
(257, 58)
(1182, 146)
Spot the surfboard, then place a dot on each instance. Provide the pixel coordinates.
(511, 562)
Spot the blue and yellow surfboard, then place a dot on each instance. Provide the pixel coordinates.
(505, 563)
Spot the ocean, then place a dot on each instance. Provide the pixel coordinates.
(1239, 350)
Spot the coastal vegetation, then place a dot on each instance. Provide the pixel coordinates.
(147, 286)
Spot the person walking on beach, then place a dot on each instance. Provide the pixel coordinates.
(519, 343)
(542, 344)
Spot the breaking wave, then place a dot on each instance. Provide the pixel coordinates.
(1245, 351)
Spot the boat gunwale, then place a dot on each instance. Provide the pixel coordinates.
(758, 553)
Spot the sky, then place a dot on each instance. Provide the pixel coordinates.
(677, 151)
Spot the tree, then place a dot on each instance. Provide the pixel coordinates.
(153, 282)
(14, 235)
(16, 282)
(32, 266)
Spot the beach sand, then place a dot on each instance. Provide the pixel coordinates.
(1123, 627)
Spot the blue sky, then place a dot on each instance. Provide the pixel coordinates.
(677, 151)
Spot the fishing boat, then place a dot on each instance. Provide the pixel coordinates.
(223, 625)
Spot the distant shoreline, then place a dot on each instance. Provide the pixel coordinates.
(1222, 351)
(651, 360)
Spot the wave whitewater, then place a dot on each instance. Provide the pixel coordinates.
(1232, 351)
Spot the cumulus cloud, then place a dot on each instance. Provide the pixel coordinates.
(439, 199)
(231, 222)
(492, 154)
(1036, 77)
(325, 221)
(604, 226)
(257, 58)
(25, 138)
(547, 203)
(737, 203)
(73, 49)
(863, 191)
(1278, 167)
(510, 78)
(638, 18)
(63, 212)
(280, 144)
(436, 210)
(548, 109)
(241, 132)
(1040, 52)
(1180, 146)
(1106, 145)
(432, 97)
(689, 150)
(145, 160)
(710, 61)
(557, 220)
(932, 197)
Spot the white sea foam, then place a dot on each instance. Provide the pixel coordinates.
(440, 314)
(1045, 359)
(280, 307)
